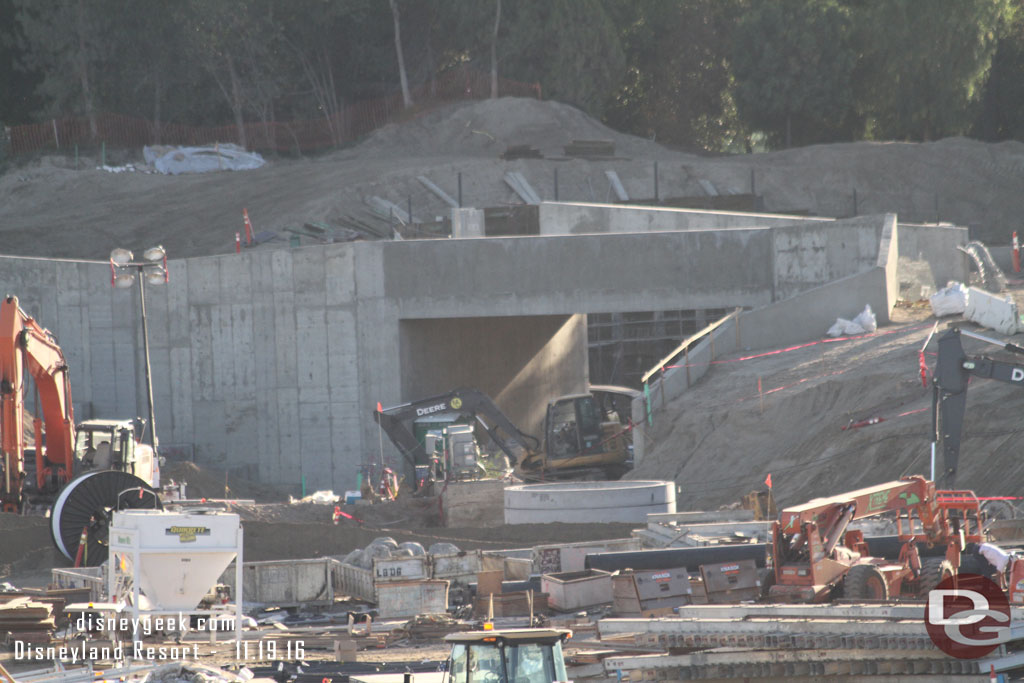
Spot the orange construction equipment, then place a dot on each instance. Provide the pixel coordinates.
(26, 345)
(816, 558)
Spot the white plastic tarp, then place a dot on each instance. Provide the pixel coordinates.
(177, 160)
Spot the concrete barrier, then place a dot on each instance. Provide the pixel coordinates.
(588, 502)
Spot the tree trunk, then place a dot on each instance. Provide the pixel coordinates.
(83, 71)
(236, 101)
(406, 97)
(494, 52)
(158, 96)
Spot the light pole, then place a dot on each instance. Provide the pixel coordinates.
(123, 271)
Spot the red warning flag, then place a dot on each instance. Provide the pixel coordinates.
(768, 481)
(924, 369)
(380, 408)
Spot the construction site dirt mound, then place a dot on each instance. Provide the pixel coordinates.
(489, 127)
(210, 482)
(48, 208)
(829, 417)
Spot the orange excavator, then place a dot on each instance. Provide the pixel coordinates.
(816, 558)
(84, 472)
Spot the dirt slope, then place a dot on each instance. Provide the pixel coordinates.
(49, 209)
(717, 444)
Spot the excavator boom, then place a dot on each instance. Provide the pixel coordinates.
(396, 422)
(953, 370)
(25, 345)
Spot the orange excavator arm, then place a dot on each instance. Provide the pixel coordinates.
(26, 345)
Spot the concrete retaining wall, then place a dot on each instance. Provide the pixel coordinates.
(272, 360)
(936, 244)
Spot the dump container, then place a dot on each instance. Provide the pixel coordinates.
(461, 567)
(571, 557)
(362, 583)
(569, 591)
(731, 581)
(650, 593)
(409, 598)
(287, 582)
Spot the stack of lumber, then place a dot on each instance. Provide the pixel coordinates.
(590, 149)
(521, 152)
(25, 619)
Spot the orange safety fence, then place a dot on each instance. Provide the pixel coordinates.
(351, 123)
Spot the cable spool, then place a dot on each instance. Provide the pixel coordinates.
(87, 502)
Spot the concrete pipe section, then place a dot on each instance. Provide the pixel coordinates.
(588, 502)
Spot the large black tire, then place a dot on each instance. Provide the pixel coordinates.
(933, 571)
(865, 582)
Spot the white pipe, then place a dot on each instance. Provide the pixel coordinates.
(933, 461)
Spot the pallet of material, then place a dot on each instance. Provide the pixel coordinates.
(521, 152)
(590, 149)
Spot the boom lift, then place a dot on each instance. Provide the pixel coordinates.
(953, 370)
(82, 471)
(816, 558)
(582, 436)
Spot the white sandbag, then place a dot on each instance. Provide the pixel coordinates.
(844, 327)
(950, 300)
(866, 319)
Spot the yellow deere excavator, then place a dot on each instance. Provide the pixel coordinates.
(585, 435)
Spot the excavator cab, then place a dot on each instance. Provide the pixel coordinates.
(105, 445)
(574, 426)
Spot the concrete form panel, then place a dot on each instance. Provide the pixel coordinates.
(181, 427)
(288, 435)
(211, 447)
(203, 281)
(341, 353)
(267, 446)
(339, 273)
(347, 418)
(315, 445)
(244, 380)
(222, 347)
(235, 279)
(312, 355)
(179, 328)
(286, 340)
(201, 322)
(309, 277)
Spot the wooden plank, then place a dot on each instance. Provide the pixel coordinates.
(620, 191)
(748, 656)
(444, 196)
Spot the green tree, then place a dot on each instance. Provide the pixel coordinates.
(793, 64)
(1001, 114)
(571, 47)
(924, 64)
(69, 44)
(677, 87)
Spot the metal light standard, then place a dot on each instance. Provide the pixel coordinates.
(123, 271)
